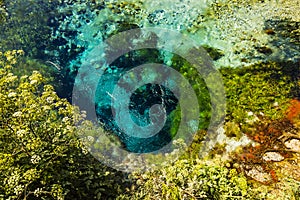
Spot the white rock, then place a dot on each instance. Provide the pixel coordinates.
(259, 174)
(261, 113)
(293, 144)
(250, 113)
(273, 156)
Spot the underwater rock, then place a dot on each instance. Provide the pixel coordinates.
(251, 38)
(285, 35)
(285, 29)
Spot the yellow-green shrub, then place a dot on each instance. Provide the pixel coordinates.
(190, 179)
(40, 155)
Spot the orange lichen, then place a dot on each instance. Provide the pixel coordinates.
(294, 110)
(266, 134)
(273, 175)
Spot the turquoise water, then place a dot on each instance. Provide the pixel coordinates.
(140, 103)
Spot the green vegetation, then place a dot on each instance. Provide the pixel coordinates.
(187, 179)
(199, 86)
(40, 155)
(3, 13)
(263, 89)
(25, 27)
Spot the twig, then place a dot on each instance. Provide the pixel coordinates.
(54, 64)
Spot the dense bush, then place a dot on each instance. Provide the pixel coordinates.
(40, 155)
(187, 179)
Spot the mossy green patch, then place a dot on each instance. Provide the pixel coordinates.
(263, 89)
